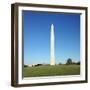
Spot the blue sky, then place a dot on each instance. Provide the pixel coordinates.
(37, 36)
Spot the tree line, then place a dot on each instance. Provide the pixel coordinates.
(70, 61)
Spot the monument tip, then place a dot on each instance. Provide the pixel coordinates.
(52, 25)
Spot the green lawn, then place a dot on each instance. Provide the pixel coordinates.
(51, 70)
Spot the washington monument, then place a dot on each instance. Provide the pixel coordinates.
(52, 54)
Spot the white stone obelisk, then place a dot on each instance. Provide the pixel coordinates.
(52, 57)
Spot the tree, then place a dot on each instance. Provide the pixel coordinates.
(69, 61)
(25, 65)
(60, 63)
(78, 63)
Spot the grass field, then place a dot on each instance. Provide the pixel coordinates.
(51, 70)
